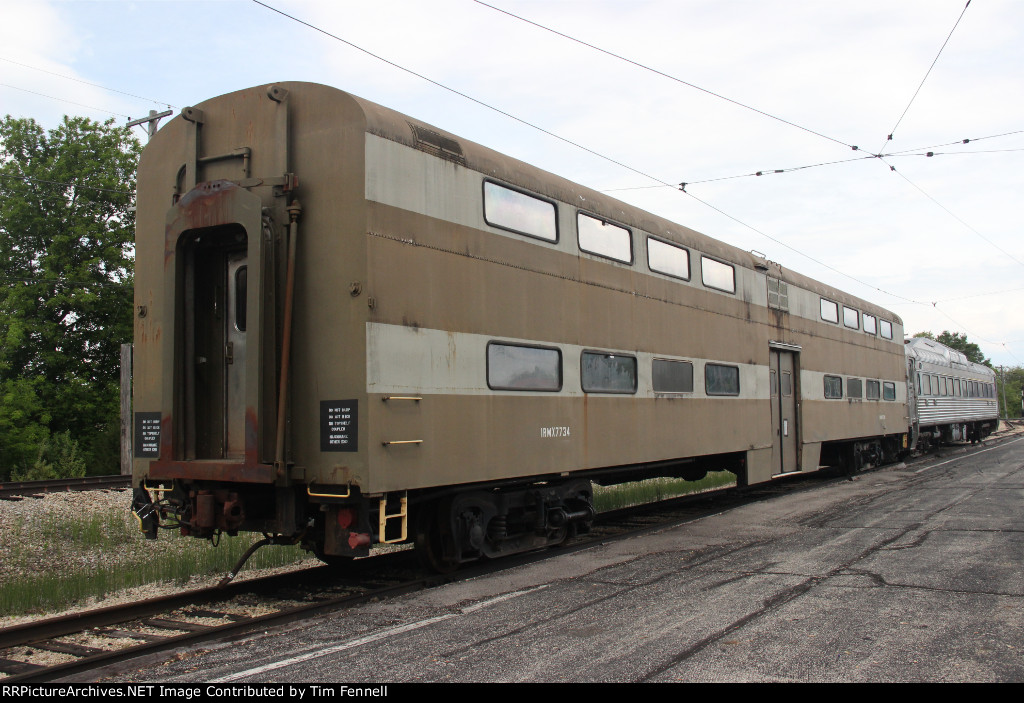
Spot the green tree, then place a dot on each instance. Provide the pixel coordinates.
(66, 257)
(958, 341)
(1013, 378)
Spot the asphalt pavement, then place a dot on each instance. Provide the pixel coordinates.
(909, 573)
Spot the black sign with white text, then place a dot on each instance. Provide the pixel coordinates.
(339, 425)
(147, 435)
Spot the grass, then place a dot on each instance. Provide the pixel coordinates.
(625, 495)
(61, 561)
(58, 560)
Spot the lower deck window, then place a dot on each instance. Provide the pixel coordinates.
(672, 376)
(889, 390)
(517, 367)
(721, 380)
(872, 390)
(833, 387)
(607, 373)
(854, 388)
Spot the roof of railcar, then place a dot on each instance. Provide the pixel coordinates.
(395, 126)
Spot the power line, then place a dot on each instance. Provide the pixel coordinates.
(797, 251)
(71, 102)
(591, 151)
(953, 215)
(927, 73)
(958, 141)
(667, 75)
(461, 94)
(79, 80)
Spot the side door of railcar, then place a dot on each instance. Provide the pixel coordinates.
(785, 430)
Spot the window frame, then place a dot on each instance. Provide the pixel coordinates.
(856, 315)
(836, 381)
(606, 223)
(525, 193)
(719, 394)
(498, 342)
(731, 267)
(835, 306)
(605, 353)
(665, 242)
(655, 360)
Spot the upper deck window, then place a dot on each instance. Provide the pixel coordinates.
(851, 318)
(869, 324)
(604, 239)
(715, 274)
(829, 311)
(668, 259)
(888, 390)
(886, 328)
(519, 212)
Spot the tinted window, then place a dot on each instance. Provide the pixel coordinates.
(721, 380)
(715, 274)
(672, 376)
(522, 368)
(854, 388)
(889, 391)
(668, 258)
(604, 239)
(519, 212)
(872, 390)
(608, 373)
(241, 286)
(833, 387)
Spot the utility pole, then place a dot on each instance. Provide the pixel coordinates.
(1002, 376)
(151, 121)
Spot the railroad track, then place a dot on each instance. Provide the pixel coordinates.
(90, 640)
(86, 641)
(17, 490)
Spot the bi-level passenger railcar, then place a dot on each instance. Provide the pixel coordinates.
(353, 327)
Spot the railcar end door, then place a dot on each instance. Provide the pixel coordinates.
(785, 430)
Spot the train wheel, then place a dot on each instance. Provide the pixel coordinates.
(430, 543)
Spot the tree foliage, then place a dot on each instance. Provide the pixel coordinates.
(1013, 379)
(66, 256)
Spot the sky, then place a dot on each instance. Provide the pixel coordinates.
(751, 86)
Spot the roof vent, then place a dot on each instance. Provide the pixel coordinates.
(437, 144)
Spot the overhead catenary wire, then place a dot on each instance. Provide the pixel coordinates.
(80, 80)
(660, 182)
(461, 94)
(667, 75)
(954, 215)
(64, 100)
(927, 73)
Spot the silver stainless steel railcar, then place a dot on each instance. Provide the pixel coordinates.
(353, 327)
(951, 399)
